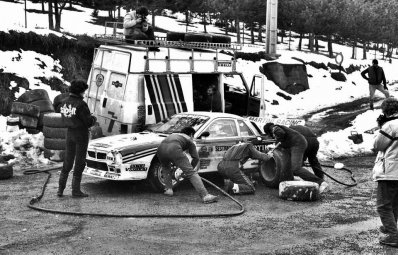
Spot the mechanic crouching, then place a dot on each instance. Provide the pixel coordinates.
(230, 168)
(171, 150)
(78, 119)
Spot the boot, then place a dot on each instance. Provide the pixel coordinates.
(63, 178)
(76, 192)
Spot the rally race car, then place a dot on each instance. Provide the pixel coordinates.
(133, 156)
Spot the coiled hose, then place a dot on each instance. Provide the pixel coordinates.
(36, 199)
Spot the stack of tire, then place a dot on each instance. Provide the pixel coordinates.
(198, 37)
(54, 131)
(28, 115)
(40, 99)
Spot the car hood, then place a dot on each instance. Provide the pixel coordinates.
(128, 143)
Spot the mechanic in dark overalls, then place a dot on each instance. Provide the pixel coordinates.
(78, 119)
(297, 145)
(230, 168)
(171, 150)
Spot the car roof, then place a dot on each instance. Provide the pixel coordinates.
(214, 114)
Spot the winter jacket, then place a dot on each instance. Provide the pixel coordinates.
(75, 113)
(288, 137)
(386, 144)
(310, 136)
(180, 142)
(376, 75)
(130, 23)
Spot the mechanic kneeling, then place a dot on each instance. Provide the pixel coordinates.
(229, 167)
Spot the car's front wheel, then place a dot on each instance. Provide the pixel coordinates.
(277, 169)
(156, 176)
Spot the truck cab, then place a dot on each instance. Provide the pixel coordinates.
(132, 87)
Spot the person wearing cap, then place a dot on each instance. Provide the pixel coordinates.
(297, 144)
(237, 182)
(136, 26)
(375, 78)
(171, 151)
(78, 119)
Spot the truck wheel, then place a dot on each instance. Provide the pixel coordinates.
(54, 144)
(277, 169)
(25, 109)
(299, 190)
(6, 171)
(156, 177)
(33, 95)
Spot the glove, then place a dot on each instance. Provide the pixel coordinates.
(270, 154)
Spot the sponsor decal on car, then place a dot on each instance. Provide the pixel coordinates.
(137, 167)
(260, 121)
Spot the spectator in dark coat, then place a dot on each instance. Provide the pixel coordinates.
(136, 26)
(297, 145)
(375, 78)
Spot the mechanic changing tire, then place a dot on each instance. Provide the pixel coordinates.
(277, 169)
(156, 179)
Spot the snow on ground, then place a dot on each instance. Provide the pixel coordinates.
(324, 91)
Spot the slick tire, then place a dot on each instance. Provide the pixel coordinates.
(25, 109)
(54, 155)
(277, 169)
(198, 37)
(53, 120)
(52, 132)
(156, 177)
(44, 105)
(54, 144)
(6, 171)
(26, 121)
(299, 191)
(33, 95)
(40, 124)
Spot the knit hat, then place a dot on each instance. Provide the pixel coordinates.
(267, 128)
(78, 86)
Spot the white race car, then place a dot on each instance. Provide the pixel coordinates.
(133, 156)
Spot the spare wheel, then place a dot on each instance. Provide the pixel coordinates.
(156, 177)
(33, 95)
(299, 190)
(277, 169)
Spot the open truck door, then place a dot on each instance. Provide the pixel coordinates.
(257, 90)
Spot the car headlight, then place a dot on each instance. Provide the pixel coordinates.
(114, 158)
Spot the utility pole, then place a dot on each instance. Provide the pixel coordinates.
(271, 26)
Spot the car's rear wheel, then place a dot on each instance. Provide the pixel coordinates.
(156, 177)
(277, 169)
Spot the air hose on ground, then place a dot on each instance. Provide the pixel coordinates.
(339, 182)
(36, 199)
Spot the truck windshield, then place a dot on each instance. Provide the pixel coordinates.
(179, 121)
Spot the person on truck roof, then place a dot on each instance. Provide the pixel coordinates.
(136, 26)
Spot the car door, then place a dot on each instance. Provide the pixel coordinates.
(224, 133)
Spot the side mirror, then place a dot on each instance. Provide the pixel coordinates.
(204, 134)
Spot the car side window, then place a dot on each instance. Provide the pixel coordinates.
(244, 129)
(222, 128)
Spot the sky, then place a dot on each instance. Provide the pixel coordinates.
(323, 92)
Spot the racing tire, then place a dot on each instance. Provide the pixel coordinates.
(32, 131)
(175, 36)
(198, 37)
(299, 191)
(26, 121)
(58, 101)
(52, 132)
(53, 120)
(44, 105)
(54, 144)
(33, 95)
(25, 109)
(277, 169)
(6, 171)
(156, 179)
(54, 155)
(40, 124)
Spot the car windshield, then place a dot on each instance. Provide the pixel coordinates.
(179, 121)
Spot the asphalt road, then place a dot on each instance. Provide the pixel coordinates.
(343, 221)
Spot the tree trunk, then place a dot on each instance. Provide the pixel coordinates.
(56, 14)
(50, 15)
(237, 26)
(364, 50)
(282, 35)
(226, 27)
(118, 14)
(330, 46)
(204, 22)
(300, 41)
(316, 44)
(260, 32)
(311, 42)
(354, 46)
(186, 20)
(70, 4)
(153, 17)
(252, 33)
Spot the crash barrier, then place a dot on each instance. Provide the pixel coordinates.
(36, 199)
(26, 108)
(54, 131)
